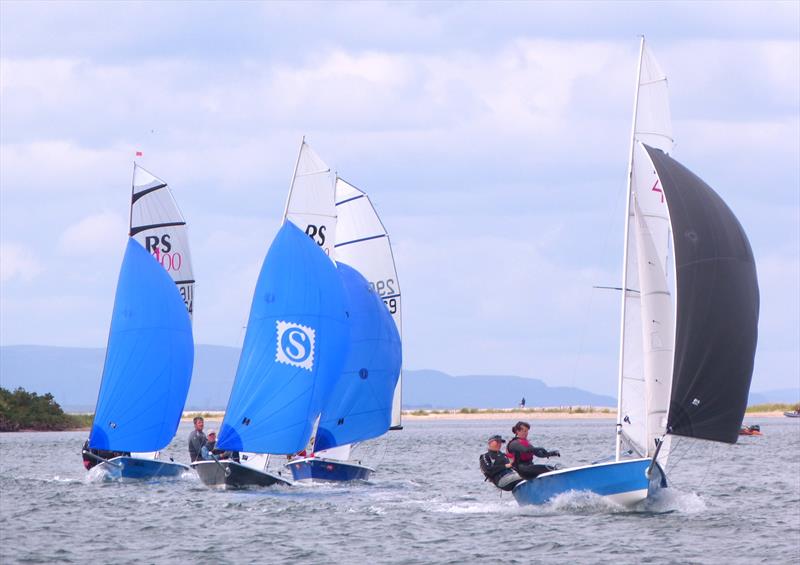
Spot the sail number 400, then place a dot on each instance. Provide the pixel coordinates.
(170, 261)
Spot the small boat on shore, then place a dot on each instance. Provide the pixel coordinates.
(754, 430)
(792, 414)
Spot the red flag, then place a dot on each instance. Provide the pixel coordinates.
(138, 153)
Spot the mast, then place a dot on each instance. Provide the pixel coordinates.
(294, 176)
(130, 210)
(625, 251)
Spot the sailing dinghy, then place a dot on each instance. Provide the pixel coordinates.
(150, 351)
(689, 315)
(366, 401)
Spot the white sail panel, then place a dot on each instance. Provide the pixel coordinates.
(658, 334)
(310, 205)
(632, 387)
(653, 122)
(363, 243)
(157, 223)
(647, 247)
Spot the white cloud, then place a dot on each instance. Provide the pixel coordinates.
(17, 261)
(94, 235)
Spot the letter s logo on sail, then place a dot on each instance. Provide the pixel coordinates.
(295, 345)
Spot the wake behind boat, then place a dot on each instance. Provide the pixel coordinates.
(150, 351)
(689, 315)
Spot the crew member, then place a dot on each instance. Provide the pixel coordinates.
(496, 467)
(522, 452)
(197, 439)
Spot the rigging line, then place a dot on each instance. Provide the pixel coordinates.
(713, 458)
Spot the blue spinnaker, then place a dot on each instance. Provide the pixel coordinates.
(360, 405)
(149, 359)
(293, 352)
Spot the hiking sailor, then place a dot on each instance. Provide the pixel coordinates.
(521, 452)
(496, 467)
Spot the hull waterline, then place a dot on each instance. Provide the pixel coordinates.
(328, 470)
(229, 474)
(125, 467)
(622, 482)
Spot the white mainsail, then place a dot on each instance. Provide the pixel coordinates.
(648, 327)
(157, 223)
(363, 243)
(310, 204)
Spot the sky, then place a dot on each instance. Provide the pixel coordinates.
(491, 137)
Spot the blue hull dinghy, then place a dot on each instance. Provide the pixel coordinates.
(622, 482)
(328, 470)
(125, 467)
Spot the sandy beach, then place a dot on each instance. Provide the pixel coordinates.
(416, 415)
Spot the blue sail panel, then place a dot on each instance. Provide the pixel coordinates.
(149, 359)
(293, 352)
(360, 405)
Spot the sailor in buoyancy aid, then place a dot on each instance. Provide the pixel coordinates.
(496, 467)
(522, 452)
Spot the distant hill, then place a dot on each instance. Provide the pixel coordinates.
(434, 389)
(72, 375)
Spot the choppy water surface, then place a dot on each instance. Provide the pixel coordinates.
(427, 504)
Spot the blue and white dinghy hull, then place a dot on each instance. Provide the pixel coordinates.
(328, 470)
(126, 467)
(621, 482)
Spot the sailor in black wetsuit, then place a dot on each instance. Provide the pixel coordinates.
(92, 457)
(496, 467)
(522, 452)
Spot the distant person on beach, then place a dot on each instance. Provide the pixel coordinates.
(522, 403)
(197, 439)
(498, 468)
(522, 453)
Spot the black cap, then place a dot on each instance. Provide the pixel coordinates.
(497, 438)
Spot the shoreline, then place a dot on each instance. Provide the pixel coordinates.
(414, 415)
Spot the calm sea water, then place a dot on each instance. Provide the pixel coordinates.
(427, 504)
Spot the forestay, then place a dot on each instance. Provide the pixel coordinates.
(717, 308)
(310, 204)
(157, 223)
(293, 352)
(149, 360)
(647, 338)
(359, 407)
(363, 243)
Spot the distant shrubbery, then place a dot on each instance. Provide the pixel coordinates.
(23, 410)
(774, 407)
